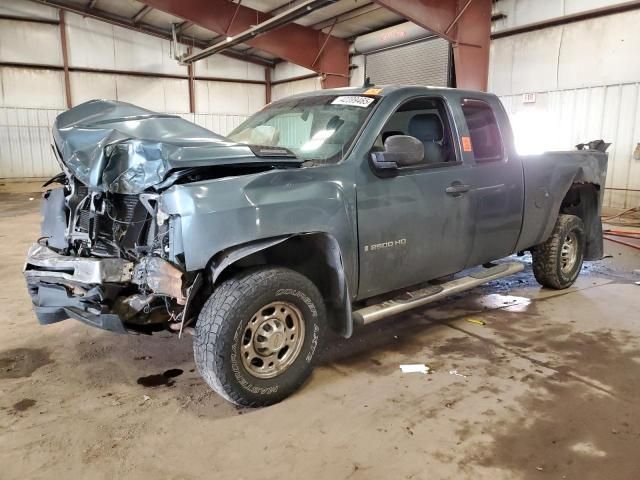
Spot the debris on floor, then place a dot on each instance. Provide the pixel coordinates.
(415, 368)
(476, 321)
(456, 373)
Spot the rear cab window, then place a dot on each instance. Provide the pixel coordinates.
(485, 140)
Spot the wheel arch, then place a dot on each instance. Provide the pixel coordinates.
(316, 255)
(583, 201)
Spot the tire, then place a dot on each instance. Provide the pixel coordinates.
(557, 262)
(228, 357)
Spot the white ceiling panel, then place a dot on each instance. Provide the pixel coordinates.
(122, 8)
(265, 5)
(160, 19)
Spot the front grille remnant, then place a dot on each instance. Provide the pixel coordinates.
(108, 224)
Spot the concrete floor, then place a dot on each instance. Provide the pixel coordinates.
(547, 388)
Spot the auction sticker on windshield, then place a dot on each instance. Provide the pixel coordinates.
(353, 101)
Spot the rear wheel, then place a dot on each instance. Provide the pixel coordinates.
(557, 262)
(258, 334)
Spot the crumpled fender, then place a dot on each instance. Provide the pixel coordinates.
(233, 254)
(548, 178)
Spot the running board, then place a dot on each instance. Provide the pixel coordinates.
(423, 296)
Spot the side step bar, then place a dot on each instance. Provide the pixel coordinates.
(426, 295)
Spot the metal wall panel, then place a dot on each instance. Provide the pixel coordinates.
(558, 120)
(90, 42)
(96, 44)
(25, 139)
(287, 89)
(24, 87)
(136, 51)
(420, 63)
(524, 12)
(235, 98)
(601, 51)
(226, 67)
(216, 122)
(157, 94)
(25, 42)
(25, 9)
(285, 70)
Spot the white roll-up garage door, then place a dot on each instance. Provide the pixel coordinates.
(424, 62)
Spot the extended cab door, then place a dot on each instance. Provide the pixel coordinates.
(416, 225)
(497, 183)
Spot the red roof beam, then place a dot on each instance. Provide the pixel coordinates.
(294, 43)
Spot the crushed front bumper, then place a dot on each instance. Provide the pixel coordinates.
(64, 287)
(108, 293)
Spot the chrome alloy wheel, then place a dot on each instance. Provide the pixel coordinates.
(272, 339)
(569, 253)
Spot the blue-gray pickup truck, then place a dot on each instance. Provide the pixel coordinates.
(321, 211)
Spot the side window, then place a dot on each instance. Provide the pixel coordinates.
(486, 141)
(427, 120)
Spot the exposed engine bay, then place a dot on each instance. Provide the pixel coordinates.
(109, 252)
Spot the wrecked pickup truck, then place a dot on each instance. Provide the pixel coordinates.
(320, 212)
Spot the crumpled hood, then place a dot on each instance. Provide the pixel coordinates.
(119, 147)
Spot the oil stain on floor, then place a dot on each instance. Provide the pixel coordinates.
(572, 429)
(22, 362)
(162, 379)
(24, 404)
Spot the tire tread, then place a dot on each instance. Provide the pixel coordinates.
(545, 256)
(214, 331)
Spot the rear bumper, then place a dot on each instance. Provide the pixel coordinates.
(63, 287)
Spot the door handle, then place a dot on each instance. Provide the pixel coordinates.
(457, 189)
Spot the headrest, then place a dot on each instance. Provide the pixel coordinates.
(426, 127)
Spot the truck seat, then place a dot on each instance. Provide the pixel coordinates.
(427, 128)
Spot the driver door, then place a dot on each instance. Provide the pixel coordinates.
(417, 225)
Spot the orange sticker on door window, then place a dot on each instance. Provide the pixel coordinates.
(466, 144)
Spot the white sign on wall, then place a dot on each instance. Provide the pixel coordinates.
(528, 98)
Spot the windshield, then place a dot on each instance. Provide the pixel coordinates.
(313, 128)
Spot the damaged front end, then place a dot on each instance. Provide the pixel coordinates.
(102, 260)
(107, 255)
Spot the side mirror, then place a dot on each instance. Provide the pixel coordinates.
(399, 151)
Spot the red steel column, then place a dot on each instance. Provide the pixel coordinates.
(192, 90)
(267, 85)
(65, 58)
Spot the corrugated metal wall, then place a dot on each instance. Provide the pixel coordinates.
(25, 142)
(25, 138)
(286, 89)
(586, 80)
(559, 120)
(30, 98)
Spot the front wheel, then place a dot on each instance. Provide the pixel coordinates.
(258, 334)
(557, 262)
